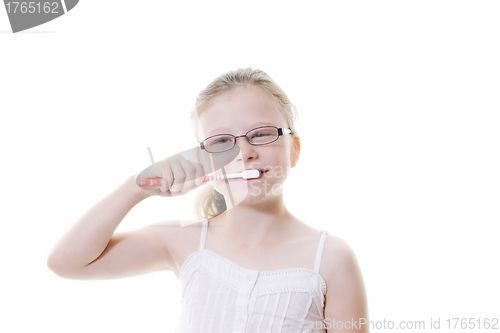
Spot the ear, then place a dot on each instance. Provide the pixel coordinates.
(295, 157)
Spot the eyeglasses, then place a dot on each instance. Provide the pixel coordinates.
(256, 137)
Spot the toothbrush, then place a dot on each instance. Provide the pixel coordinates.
(246, 174)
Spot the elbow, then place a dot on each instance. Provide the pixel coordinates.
(54, 265)
(57, 267)
(62, 269)
(52, 262)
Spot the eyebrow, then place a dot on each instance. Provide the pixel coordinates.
(218, 129)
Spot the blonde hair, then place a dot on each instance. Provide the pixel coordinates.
(209, 202)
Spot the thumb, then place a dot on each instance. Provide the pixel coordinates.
(135, 176)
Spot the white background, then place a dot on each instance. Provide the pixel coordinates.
(399, 115)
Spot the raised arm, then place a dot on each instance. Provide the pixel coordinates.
(91, 250)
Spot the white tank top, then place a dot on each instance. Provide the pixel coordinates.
(219, 295)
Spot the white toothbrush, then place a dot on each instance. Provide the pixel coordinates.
(246, 174)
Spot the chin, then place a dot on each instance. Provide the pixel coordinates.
(250, 192)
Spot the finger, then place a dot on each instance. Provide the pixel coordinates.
(200, 174)
(179, 176)
(167, 176)
(190, 171)
(165, 194)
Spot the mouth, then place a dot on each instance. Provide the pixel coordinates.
(261, 173)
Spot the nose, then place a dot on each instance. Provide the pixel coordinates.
(247, 151)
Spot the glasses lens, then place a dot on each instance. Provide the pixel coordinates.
(219, 143)
(261, 136)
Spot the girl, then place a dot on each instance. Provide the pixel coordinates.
(251, 266)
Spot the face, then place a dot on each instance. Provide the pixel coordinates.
(236, 112)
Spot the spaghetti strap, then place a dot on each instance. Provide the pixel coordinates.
(203, 233)
(319, 251)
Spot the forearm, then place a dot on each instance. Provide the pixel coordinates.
(90, 235)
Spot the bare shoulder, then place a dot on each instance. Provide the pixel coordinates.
(180, 239)
(344, 281)
(338, 258)
(337, 250)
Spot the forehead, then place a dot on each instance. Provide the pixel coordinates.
(239, 110)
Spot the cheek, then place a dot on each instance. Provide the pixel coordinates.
(277, 174)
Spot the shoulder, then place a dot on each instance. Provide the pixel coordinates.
(337, 255)
(344, 280)
(337, 258)
(339, 262)
(177, 232)
(179, 238)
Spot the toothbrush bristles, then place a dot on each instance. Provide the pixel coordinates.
(250, 174)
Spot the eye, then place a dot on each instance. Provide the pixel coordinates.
(219, 140)
(224, 140)
(260, 135)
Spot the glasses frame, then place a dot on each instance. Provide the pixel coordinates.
(281, 131)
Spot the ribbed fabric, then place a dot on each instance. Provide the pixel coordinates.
(220, 296)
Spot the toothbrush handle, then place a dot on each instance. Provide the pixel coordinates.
(151, 182)
(227, 176)
(156, 182)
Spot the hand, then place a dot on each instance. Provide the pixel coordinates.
(179, 176)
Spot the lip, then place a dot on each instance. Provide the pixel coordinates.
(252, 169)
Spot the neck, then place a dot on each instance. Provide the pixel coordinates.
(253, 226)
